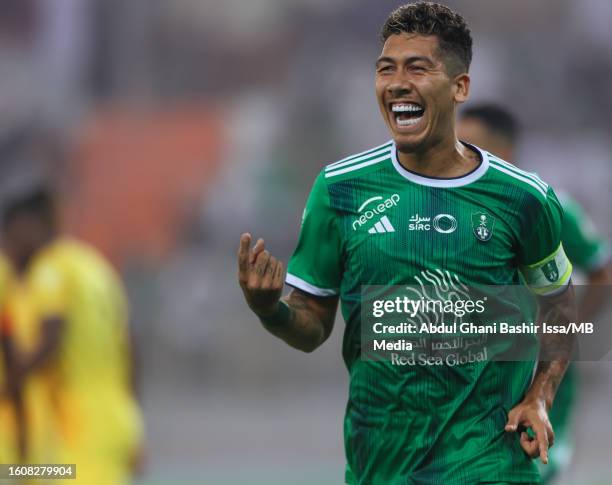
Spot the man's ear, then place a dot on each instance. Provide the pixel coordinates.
(462, 87)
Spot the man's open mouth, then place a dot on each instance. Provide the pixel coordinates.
(407, 114)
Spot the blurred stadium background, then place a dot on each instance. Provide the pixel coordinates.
(180, 124)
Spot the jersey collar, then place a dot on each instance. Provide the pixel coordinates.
(440, 182)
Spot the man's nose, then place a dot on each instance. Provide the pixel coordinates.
(399, 87)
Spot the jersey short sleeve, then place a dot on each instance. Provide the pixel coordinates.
(542, 259)
(585, 247)
(316, 264)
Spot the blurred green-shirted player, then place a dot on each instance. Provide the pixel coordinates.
(496, 129)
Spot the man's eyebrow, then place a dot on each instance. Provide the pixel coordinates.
(425, 59)
(380, 60)
(408, 60)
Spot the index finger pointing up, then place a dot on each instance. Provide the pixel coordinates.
(243, 253)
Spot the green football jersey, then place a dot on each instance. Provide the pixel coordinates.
(369, 221)
(585, 247)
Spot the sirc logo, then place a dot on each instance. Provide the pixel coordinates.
(442, 223)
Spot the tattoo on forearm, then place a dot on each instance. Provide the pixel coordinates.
(556, 346)
(555, 349)
(299, 307)
(547, 380)
(307, 321)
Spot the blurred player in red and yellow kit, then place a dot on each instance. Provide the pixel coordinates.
(69, 346)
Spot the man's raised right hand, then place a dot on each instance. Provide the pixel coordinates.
(261, 276)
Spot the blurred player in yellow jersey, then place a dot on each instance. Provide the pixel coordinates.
(65, 317)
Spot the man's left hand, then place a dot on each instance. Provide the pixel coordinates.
(531, 413)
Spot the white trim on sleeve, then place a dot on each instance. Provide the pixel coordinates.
(299, 283)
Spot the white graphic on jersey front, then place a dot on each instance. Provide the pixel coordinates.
(442, 223)
(382, 226)
(482, 225)
(370, 210)
(438, 285)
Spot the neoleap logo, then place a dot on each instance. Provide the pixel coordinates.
(377, 210)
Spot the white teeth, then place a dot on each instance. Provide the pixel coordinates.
(401, 108)
(408, 122)
(414, 110)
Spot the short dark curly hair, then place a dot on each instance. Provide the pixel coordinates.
(428, 18)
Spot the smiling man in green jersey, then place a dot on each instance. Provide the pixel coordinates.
(489, 221)
(496, 129)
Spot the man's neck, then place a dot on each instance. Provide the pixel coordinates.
(444, 160)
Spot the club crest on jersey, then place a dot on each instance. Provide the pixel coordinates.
(551, 271)
(482, 225)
